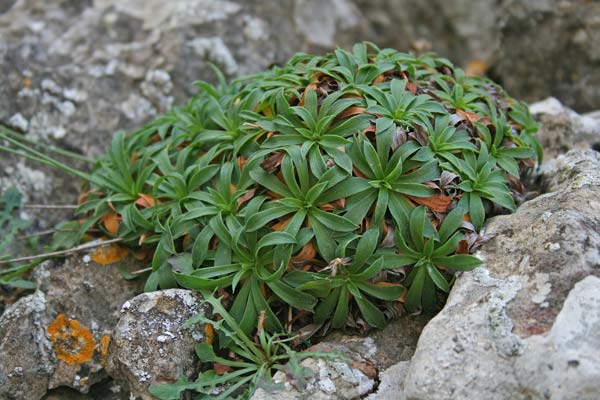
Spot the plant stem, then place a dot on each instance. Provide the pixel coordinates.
(51, 206)
(86, 246)
(57, 150)
(41, 158)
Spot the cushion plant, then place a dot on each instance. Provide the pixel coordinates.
(326, 191)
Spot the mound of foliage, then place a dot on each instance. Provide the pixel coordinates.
(330, 190)
(337, 190)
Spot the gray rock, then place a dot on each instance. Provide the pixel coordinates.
(384, 348)
(562, 129)
(570, 368)
(150, 346)
(58, 336)
(510, 327)
(388, 382)
(26, 353)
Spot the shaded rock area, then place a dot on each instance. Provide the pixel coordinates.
(58, 336)
(533, 48)
(562, 129)
(150, 346)
(396, 343)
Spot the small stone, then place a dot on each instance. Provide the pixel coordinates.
(552, 246)
(19, 122)
(50, 86)
(143, 353)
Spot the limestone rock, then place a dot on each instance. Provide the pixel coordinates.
(25, 351)
(150, 346)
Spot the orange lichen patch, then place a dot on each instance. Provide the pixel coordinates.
(72, 343)
(103, 348)
(209, 333)
(145, 201)
(111, 221)
(27, 83)
(476, 67)
(109, 254)
(437, 202)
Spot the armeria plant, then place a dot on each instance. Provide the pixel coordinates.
(320, 193)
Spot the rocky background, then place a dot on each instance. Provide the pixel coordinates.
(524, 326)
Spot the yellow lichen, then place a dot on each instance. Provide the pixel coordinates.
(72, 343)
(109, 254)
(103, 348)
(209, 332)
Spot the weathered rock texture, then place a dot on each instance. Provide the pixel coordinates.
(34, 357)
(150, 346)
